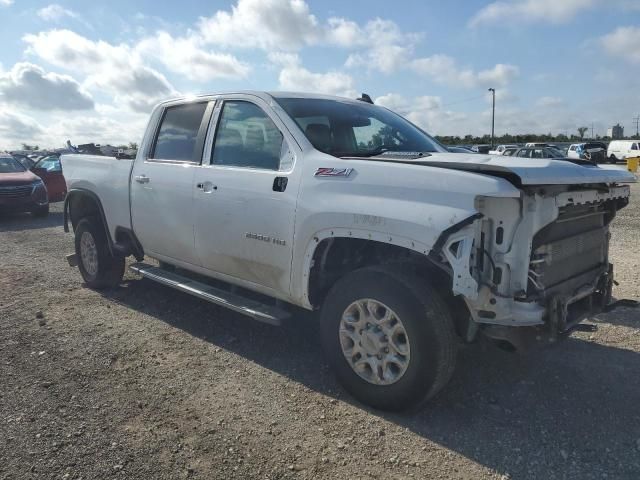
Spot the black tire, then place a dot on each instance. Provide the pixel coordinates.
(110, 269)
(613, 159)
(40, 211)
(429, 328)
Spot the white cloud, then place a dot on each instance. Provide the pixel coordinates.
(115, 68)
(550, 102)
(5, 3)
(266, 24)
(67, 49)
(381, 44)
(184, 56)
(29, 85)
(443, 69)
(294, 77)
(16, 128)
(548, 11)
(140, 88)
(288, 25)
(427, 112)
(624, 42)
(55, 13)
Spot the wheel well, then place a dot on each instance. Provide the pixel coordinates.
(335, 257)
(82, 205)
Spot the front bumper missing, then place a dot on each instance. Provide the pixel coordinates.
(563, 316)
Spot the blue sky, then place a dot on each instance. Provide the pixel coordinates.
(91, 72)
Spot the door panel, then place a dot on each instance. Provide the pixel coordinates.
(162, 186)
(245, 225)
(162, 209)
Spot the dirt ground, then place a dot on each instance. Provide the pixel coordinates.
(144, 382)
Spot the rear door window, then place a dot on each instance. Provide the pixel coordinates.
(178, 133)
(634, 146)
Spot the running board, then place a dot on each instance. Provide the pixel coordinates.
(256, 310)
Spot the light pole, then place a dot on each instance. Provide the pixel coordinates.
(493, 114)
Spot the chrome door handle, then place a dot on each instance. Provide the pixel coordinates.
(142, 179)
(206, 187)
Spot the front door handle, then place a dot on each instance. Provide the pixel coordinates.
(142, 179)
(206, 187)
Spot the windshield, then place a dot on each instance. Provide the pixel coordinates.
(10, 165)
(346, 129)
(50, 164)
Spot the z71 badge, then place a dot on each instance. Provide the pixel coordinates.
(333, 172)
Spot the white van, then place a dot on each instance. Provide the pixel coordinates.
(621, 149)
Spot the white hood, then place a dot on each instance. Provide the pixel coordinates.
(532, 171)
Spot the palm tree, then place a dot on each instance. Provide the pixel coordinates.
(582, 131)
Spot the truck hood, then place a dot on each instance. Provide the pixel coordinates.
(523, 171)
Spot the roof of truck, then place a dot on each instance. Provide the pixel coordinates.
(265, 95)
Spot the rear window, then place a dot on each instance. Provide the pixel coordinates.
(178, 133)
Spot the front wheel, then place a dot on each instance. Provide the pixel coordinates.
(389, 337)
(41, 211)
(98, 267)
(613, 159)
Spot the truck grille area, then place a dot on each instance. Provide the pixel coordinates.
(570, 253)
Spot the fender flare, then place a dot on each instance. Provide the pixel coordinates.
(361, 234)
(66, 214)
(429, 252)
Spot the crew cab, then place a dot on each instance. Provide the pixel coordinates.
(267, 203)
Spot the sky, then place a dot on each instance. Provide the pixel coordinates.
(92, 71)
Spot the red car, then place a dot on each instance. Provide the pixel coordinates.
(49, 169)
(20, 189)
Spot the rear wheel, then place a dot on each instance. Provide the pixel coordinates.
(613, 159)
(389, 337)
(98, 267)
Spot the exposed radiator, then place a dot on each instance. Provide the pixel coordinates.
(571, 247)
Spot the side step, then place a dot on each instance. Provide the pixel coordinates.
(256, 310)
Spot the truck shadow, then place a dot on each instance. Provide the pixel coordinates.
(561, 409)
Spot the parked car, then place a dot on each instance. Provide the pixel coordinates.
(20, 189)
(621, 149)
(26, 162)
(500, 149)
(540, 144)
(481, 148)
(538, 152)
(594, 151)
(509, 151)
(455, 149)
(345, 207)
(49, 169)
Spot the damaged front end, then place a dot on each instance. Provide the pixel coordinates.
(531, 269)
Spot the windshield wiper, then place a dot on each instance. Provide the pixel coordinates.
(382, 151)
(365, 154)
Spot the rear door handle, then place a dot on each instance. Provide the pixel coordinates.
(141, 179)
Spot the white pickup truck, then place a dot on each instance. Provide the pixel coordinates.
(286, 200)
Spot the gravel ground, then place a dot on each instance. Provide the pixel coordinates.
(145, 382)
